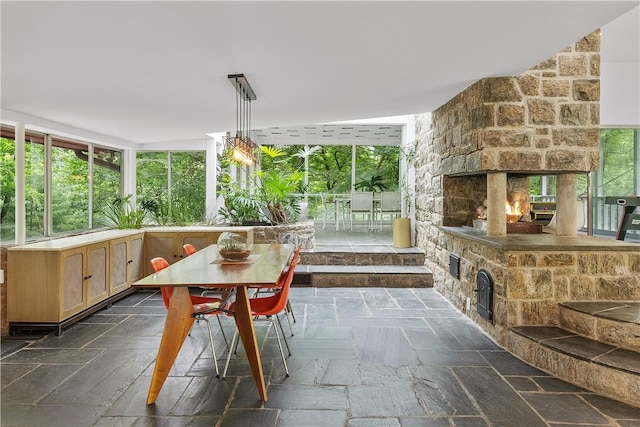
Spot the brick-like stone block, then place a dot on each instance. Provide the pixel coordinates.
(507, 138)
(510, 115)
(582, 287)
(527, 260)
(612, 264)
(572, 65)
(617, 288)
(555, 88)
(529, 84)
(594, 65)
(557, 259)
(594, 114)
(542, 142)
(566, 160)
(541, 112)
(574, 114)
(547, 64)
(577, 137)
(586, 90)
(589, 43)
(519, 161)
(538, 312)
(499, 89)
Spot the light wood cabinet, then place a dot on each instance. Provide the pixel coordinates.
(167, 243)
(59, 281)
(53, 281)
(125, 263)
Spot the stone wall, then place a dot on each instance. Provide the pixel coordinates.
(545, 120)
(301, 233)
(528, 282)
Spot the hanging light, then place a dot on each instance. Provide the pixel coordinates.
(243, 149)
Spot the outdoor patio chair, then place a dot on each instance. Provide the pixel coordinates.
(390, 204)
(361, 204)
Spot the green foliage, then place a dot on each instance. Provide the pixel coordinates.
(373, 183)
(183, 201)
(274, 186)
(120, 214)
(240, 206)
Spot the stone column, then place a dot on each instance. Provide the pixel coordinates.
(566, 204)
(496, 201)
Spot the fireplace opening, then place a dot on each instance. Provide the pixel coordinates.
(467, 203)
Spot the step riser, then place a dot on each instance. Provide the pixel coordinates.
(620, 334)
(616, 384)
(346, 280)
(346, 258)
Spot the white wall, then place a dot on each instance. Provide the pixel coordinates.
(620, 71)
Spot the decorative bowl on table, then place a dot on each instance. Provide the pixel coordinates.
(233, 246)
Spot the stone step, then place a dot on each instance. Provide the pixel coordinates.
(363, 255)
(390, 276)
(612, 322)
(606, 369)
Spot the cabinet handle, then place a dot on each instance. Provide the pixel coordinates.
(130, 261)
(88, 277)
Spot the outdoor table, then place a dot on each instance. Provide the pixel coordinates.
(206, 268)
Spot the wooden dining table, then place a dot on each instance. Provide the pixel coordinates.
(206, 268)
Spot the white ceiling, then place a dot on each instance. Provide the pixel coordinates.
(156, 71)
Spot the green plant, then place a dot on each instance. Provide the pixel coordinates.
(272, 198)
(373, 183)
(408, 155)
(240, 206)
(121, 214)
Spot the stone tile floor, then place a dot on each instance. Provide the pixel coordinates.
(360, 357)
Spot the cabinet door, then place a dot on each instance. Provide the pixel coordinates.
(74, 296)
(135, 258)
(199, 240)
(97, 272)
(118, 279)
(159, 244)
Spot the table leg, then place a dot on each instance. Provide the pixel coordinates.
(244, 321)
(176, 328)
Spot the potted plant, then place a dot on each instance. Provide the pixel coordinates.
(402, 226)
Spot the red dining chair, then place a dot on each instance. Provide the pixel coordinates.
(189, 249)
(266, 308)
(279, 285)
(203, 306)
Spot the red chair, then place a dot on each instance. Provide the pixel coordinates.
(270, 307)
(202, 306)
(189, 249)
(279, 285)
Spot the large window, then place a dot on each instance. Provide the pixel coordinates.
(107, 181)
(69, 186)
(171, 185)
(69, 180)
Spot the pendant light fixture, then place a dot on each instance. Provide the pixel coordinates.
(244, 150)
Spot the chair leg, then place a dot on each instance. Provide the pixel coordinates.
(223, 334)
(234, 346)
(275, 330)
(213, 349)
(283, 335)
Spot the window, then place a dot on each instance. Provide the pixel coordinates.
(69, 181)
(69, 186)
(171, 185)
(107, 177)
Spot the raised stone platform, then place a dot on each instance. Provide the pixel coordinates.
(606, 369)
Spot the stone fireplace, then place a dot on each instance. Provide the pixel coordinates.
(474, 156)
